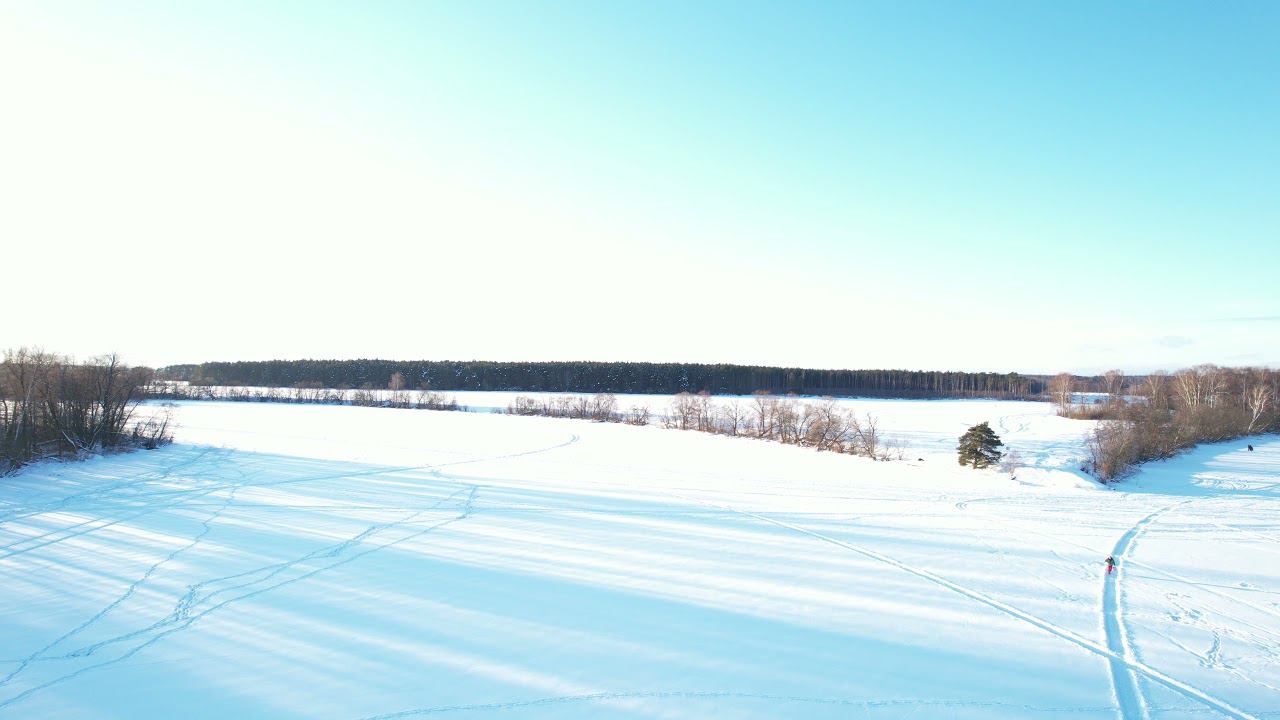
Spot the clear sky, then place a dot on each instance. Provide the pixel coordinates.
(1028, 186)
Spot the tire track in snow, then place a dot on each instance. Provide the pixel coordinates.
(1188, 691)
(964, 504)
(1023, 423)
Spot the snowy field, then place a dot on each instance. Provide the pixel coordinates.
(341, 562)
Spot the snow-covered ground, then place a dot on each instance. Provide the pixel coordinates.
(342, 562)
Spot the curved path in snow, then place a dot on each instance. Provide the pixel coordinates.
(1123, 680)
(1130, 664)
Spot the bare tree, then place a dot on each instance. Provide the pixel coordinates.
(829, 429)
(431, 400)
(1189, 385)
(683, 412)
(731, 417)
(1061, 388)
(1257, 399)
(91, 403)
(1112, 451)
(786, 421)
(1113, 381)
(1010, 462)
(1215, 383)
(894, 449)
(865, 435)
(25, 374)
(398, 397)
(706, 412)
(1156, 386)
(604, 407)
(763, 411)
(524, 405)
(153, 431)
(638, 415)
(805, 417)
(308, 392)
(50, 404)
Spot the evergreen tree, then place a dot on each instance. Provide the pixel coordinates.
(979, 446)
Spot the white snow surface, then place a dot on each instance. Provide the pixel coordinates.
(293, 561)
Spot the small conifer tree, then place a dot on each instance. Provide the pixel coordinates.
(979, 446)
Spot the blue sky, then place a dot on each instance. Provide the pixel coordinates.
(1026, 186)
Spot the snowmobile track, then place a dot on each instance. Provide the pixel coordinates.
(1124, 682)
(1188, 691)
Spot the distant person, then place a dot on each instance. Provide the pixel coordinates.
(1111, 564)
(1250, 448)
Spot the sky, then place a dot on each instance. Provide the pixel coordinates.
(1025, 186)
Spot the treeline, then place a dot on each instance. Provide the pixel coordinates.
(1163, 414)
(822, 425)
(1091, 383)
(610, 377)
(51, 405)
(396, 395)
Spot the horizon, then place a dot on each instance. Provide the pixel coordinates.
(825, 185)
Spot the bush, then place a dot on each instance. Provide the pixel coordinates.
(52, 405)
(1207, 404)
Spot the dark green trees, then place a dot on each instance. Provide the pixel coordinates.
(979, 446)
(609, 377)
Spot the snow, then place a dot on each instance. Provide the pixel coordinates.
(343, 562)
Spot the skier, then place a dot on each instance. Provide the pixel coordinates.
(1111, 564)
(1250, 448)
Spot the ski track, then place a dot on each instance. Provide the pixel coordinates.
(1188, 691)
